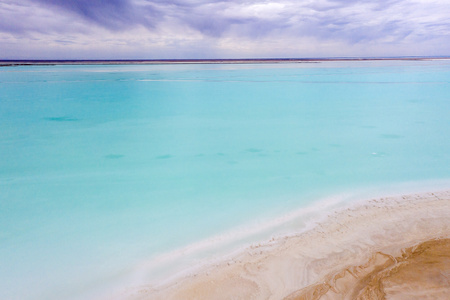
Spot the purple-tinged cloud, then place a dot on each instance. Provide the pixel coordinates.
(217, 27)
(112, 14)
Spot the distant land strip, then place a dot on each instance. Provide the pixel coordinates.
(8, 63)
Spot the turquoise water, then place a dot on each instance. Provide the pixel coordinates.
(104, 167)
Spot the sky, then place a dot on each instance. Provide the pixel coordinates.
(196, 29)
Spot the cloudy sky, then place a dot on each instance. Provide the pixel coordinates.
(152, 29)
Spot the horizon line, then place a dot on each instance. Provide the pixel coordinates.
(19, 62)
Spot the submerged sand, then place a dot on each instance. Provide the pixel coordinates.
(389, 248)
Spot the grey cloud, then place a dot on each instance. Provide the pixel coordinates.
(112, 14)
(338, 22)
(329, 19)
(325, 19)
(348, 21)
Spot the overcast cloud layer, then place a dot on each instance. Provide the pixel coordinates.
(95, 29)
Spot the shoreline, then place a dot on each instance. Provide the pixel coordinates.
(361, 234)
(25, 62)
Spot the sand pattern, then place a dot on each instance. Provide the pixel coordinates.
(421, 272)
(389, 248)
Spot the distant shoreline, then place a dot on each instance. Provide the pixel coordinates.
(11, 63)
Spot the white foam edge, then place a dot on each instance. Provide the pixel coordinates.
(231, 241)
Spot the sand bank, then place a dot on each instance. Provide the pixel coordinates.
(393, 248)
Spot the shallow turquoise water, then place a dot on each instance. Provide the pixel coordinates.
(106, 166)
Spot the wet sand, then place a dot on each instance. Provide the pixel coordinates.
(421, 272)
(388, 248)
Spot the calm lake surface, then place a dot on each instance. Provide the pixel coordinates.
(105, 171)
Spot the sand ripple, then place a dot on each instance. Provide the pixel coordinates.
(392, 248)
(421, 272)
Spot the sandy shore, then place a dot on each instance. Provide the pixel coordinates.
(388, 248)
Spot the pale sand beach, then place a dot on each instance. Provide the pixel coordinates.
(387, 248)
